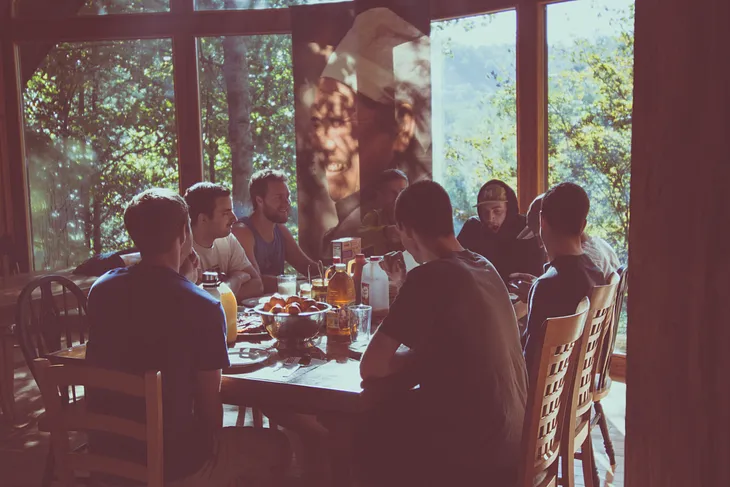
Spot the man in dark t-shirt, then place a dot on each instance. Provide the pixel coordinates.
(571, 275)
(454, 315)
(149, 317)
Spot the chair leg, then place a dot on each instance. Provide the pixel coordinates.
(568, 470)
(241, 417)
(607, 443)
(49, 470)
(7, 373)
(590, 473)
(258, 418)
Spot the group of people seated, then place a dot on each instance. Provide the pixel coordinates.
(452, 329)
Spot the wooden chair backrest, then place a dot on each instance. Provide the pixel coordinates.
(603, 367)
(50, 314)
(53, 379)
(544, 414)
(602, 301)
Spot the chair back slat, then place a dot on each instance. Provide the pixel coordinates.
(53, 380)
(545, 412)
(603, 368)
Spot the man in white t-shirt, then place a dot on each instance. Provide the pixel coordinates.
(212, 217)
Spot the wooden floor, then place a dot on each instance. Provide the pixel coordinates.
(23, 449)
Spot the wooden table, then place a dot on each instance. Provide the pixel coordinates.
(328, 387)
(10, 289)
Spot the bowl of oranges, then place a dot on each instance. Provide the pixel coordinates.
(293, 321)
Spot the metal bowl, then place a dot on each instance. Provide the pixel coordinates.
(293, 331)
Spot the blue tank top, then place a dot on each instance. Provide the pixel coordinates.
(270, 256)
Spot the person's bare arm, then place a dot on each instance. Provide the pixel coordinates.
(295, 255)
(246, 283)
(208, 404)
(383, 357)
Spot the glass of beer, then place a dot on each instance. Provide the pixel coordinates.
(287, 285)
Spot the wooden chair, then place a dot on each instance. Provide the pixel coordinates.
(53, 379)
(545, 412)
(603, 367)
(50, 315)
(577, 435)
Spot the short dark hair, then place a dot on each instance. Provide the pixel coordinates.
(260, 182)
(154, 219)
(201, 197)
(425, 208)
(390, 175)
(565, 207)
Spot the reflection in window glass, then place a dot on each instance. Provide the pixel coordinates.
(247, 109)
(254, 4)
(55, 8)
(99, 128)
(474, 111)
(590, 70)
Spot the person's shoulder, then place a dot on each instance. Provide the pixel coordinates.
(242, 230)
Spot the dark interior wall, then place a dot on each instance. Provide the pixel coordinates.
(678, 399)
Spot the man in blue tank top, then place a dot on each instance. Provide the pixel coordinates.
(264, 236)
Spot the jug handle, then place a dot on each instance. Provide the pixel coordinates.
(349, 266)
(327, 273)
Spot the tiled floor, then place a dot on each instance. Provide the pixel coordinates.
(23, 449)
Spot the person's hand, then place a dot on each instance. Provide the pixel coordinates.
(394, 265)
(392, 234)
(521, 283)
(191, 268)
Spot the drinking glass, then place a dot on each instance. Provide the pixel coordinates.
(287, 284)
(319, 290)
(360, 317)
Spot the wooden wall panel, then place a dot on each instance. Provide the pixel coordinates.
(678, 397)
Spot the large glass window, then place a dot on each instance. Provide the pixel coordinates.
(58, 8)
(254, 4)
(247, 107)
(590, 70)
(474, 112)
(99, 128)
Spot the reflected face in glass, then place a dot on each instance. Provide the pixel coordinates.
(492, 214)
(335, 144)
(223, 217)
(277, 203)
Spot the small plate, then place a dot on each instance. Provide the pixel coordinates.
(244, 358)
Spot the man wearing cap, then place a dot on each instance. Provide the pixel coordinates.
(371, 112)
(494, 233)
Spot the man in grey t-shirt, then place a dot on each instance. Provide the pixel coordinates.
(454, 315)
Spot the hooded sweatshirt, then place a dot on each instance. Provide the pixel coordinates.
(503, 249)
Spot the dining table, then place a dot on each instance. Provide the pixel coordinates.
(322, 381)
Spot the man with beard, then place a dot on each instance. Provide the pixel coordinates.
(263, 234)
(371, 112)
(494, 232)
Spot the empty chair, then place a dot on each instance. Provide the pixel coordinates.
(577, 435)
(50, 315)
(53, 379)
(545, 411)
(603, 367)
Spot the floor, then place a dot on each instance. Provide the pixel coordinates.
(23, 449)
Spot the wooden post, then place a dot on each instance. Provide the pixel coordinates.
(187, 102)
(15, 156)
(531, 101)
(678, 396)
